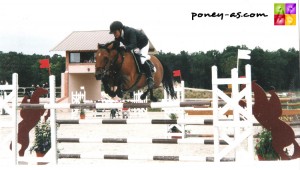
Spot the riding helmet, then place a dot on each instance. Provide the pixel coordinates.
(116, 25)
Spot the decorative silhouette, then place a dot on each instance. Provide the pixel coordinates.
(267, 112)
(30, 119)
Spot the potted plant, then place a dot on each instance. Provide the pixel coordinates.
(82, 112)
(42, 142)
(263, 148)
(174, 128)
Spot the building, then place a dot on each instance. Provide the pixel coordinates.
(80, 48)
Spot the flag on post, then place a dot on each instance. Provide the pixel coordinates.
(176, 73)
(44, 63)
(244, 54)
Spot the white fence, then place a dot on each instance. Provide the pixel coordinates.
(243, 129)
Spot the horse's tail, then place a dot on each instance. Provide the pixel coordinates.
(167, 81)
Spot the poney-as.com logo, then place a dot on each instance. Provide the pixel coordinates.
(285, 14)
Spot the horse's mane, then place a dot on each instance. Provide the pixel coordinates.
(116, 45)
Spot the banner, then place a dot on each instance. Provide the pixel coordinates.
(176, 73)
(44, 63)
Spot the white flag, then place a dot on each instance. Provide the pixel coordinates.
(244, 54)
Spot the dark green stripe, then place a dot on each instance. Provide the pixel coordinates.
(124, 157)
(69, 156)
(67, 121)
(114, 140)
(169, 141)
(166, 158)
(116, 121)
(163, 121)
(68, 140)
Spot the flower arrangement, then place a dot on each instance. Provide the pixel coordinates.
(264, 148)
(42, 142)
(174, 129)
(82, 112)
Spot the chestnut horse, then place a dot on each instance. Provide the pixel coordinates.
(117, 68)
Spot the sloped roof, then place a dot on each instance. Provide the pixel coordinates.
(87, 40)
(84, 40)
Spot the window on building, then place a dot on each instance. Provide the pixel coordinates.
(82, 57)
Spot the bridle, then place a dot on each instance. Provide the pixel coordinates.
(111, 67)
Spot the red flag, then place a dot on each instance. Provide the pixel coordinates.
(176, 73)
(44, 63)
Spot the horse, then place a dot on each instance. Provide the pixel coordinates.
(30, 119)
(267, 112)
(118, 68)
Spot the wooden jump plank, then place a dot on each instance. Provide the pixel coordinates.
(287, 112)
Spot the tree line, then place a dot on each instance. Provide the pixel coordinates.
(279, 69)
(28, 68)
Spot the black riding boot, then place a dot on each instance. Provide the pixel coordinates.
(148, 71)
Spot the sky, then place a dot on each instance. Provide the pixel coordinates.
(36, 26)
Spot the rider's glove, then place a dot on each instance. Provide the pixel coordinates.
(137, 51)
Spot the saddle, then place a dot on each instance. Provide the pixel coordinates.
(138, 63)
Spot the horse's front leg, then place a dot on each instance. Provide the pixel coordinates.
(152, 98)
(144, 95)
(120, 91)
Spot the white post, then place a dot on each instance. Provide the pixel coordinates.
(215, 113)
(249, 112)
(53, 120)
(182, 91)
(237, 65)
(236, 113)
(62, 85)
(15, 118)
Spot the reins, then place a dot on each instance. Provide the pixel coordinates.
(117, 71)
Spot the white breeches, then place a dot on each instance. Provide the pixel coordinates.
(144, 53)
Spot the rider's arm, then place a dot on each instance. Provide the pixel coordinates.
(132, 39)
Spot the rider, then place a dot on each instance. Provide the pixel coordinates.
(136, 41)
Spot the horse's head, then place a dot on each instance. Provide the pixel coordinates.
(102, 59)
(104, 56)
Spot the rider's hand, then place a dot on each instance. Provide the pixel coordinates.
(137, 51)
(122, 48)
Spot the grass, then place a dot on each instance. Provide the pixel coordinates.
(189, 94)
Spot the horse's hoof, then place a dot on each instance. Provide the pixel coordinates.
(143, 97)
(112, 94)
(120, 93)
(107, 91)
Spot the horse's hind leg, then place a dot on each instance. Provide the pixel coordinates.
(144, 95)
(152, 98)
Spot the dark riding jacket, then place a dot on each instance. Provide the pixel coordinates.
(133, 38)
